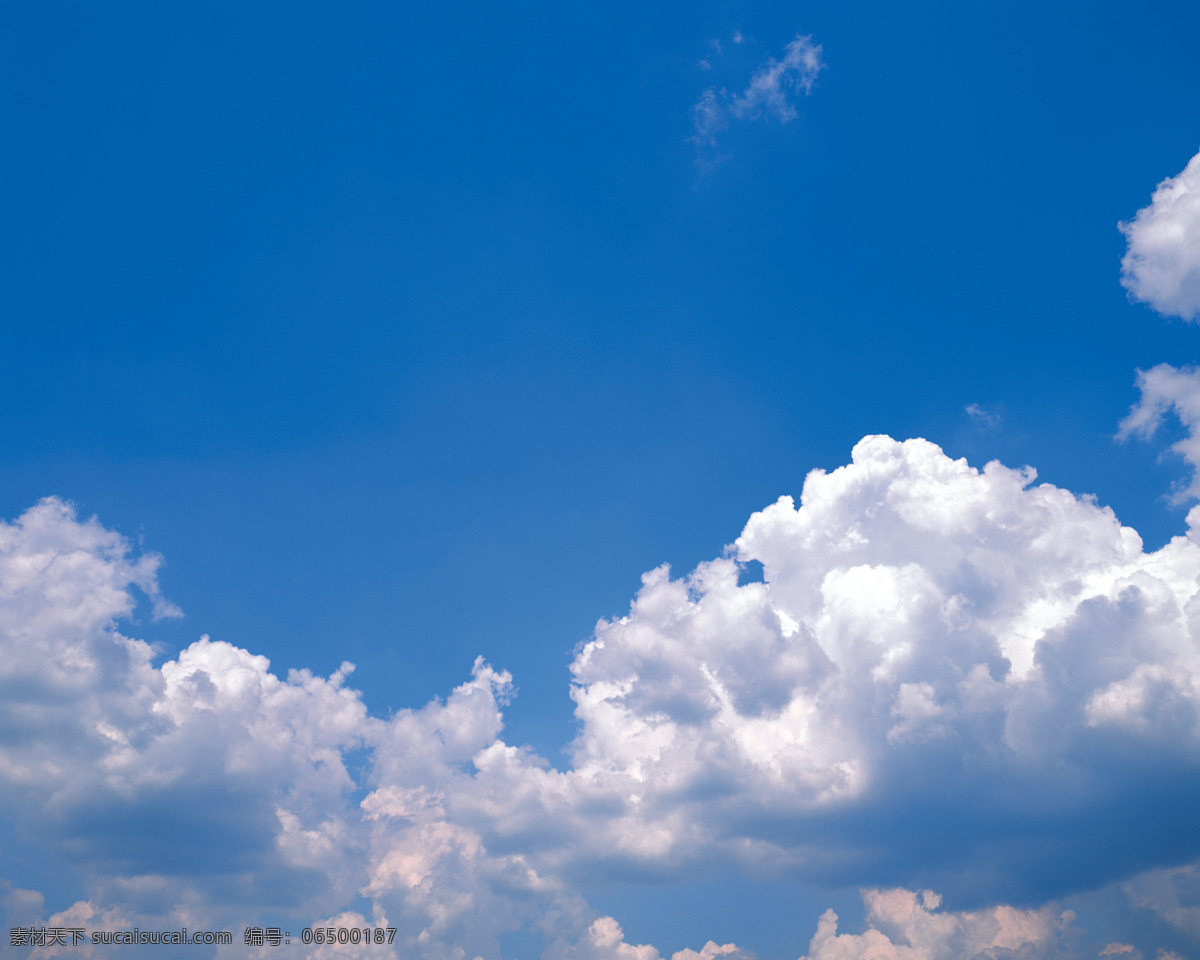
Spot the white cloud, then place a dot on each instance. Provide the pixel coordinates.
(198, 786)
(905, 925)
(768, 95)
(942, 668)
(1161, 266)
(1127, 951)
(429, 868)
(1164, 390)
(713, 951)
(1001, 638)
(605, 940)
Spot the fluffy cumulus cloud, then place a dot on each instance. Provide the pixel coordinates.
(174, 793)
(943, 668)
(904, 925)
(769, 94)
(948, 679)
(605, 940)
(1161, 266)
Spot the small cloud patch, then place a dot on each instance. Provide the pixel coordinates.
(770, 93)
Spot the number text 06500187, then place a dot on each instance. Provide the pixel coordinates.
(348, 934)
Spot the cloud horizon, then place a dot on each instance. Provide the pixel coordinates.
(949, 679)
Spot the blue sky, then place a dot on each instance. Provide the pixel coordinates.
(409, 336)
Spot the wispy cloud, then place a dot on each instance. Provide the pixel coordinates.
(769, 94)
(1165, 390)
(982, 416)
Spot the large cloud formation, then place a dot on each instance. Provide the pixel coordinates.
(950, 679)
(1161, 266)
(948, 676)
